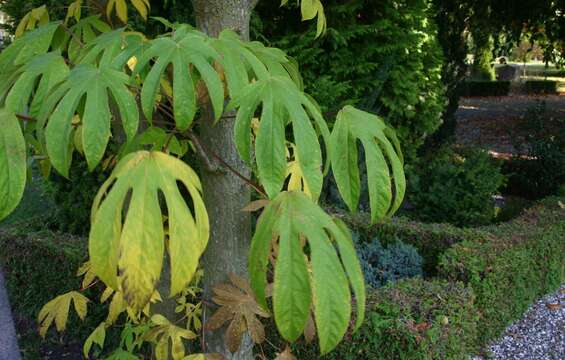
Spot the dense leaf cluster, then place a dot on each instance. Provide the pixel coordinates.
(455, 188)
(381, 56)
(384, 265)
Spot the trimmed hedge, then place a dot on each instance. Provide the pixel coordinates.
(540, 86)
(431, 240)
(39, 265)
(412, 319)
(485, 88)
(519, 262)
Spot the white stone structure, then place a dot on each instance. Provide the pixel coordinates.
(3, 33)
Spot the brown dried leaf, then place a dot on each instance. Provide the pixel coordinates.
(239, 307)
(255, 327)
(555, 306)
(255, 205)
(235, 331)
(229, 291)
(240, 283)
(220, 317)
(310, 329)
(286, 355)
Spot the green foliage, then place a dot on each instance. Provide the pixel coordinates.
(12, 163)
(430, 239)
(412, 319)
(538, 170)
(73, 197)
(381, 56)
(76, 87)
(378, 141)
(521, 261)
(453, 188)
(29, 253)
(482, 69)
(485, 88)
(288, 217)
(382, 266)
(540, 86)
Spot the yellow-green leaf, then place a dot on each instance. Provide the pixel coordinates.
(290, 217)
(135, 249)
(58, 310)
(12, 163)
(96, 337)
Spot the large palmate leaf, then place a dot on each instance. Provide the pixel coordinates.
(244, 61)
(320, 278)
(58, 310)
(96, 85)
(281, 103)
(12, 163)
(21, 51)
(50, 68)
(113, 49)
(128, 255)
(186, 50)
(383, 158)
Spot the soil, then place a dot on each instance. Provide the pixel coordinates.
(492, 122)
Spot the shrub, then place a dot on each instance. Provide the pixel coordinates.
(538, 170)
(540, 86)
(382, 265)
(485, 88)
(453, 188)
(39, 265)
(74, 196)
(389, 60)
(412, 319)
(520, 261)
(431, 240)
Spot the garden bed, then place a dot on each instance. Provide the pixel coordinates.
(477, 278)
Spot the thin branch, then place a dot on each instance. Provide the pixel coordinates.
(25, 117)
(72, 35)
(209, 164)
(247, 180)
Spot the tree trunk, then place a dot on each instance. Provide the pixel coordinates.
(482, 68)
(224, 193)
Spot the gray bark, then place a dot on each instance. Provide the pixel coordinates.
(224, 193)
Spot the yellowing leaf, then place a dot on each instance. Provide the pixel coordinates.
(135, 246)
(36, 16)
(165, 332)
(58, 310)
(142, 6)
(310, 9)
(96, 337)
(74, 11)
(296, 181)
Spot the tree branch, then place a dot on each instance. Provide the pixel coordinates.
(206, 153)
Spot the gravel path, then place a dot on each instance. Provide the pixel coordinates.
(539, 335)
(8, 341)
